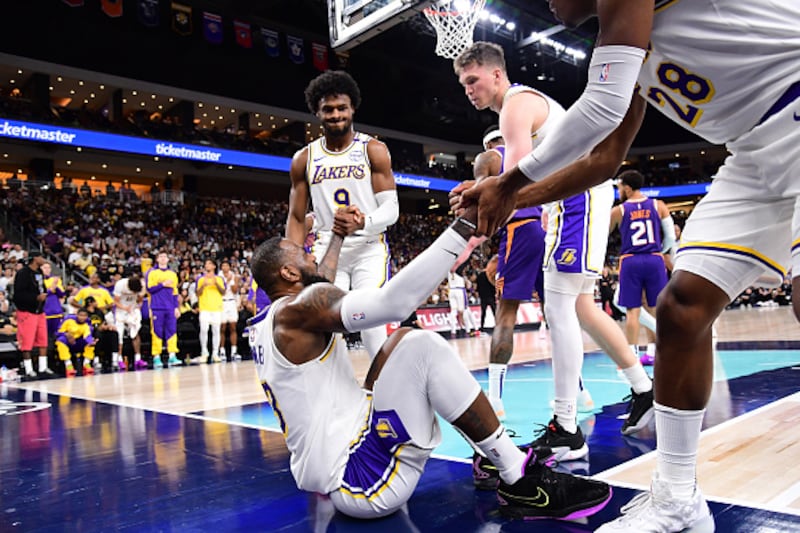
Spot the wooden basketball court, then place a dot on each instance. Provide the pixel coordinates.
(168, 450)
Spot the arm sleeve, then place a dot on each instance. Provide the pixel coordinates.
(599, 110)
(367, 308)
(385, 215)
(667, 233)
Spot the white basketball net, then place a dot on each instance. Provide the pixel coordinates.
(454, 22)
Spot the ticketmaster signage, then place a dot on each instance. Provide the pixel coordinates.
(29, 131)
(136, 145)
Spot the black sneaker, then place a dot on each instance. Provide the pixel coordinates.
(485, 475)
(543, 493)
(47, 374)
(640, 412)
(565, 446)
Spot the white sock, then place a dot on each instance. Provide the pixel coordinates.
(233, 350)
(68, 363)
(137, 357)
(42, 363)
(651, 349)
(28, 364)
(497, 377)
(677, 440)
(566, 411)
(637, 377)
(115, 358)
(503, 454)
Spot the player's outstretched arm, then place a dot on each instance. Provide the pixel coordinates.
(322, 307)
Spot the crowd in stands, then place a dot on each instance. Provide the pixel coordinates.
(113, 237)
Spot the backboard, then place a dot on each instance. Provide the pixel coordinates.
(353, 22)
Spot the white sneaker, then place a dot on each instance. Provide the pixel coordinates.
(657, 511)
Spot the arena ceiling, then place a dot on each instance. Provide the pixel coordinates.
(405, 86)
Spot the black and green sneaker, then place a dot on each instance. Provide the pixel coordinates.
(544, 493)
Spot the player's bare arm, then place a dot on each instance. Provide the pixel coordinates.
(298, 198)
(522, 114)
(599, 165)
(488, 163)
(384, 188)
(622, 22)
(381, 166)
(616, 217)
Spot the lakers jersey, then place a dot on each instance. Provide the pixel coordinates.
(339, 179)
(712, 72)
(577, 231)
(640, 227)
(319, 405)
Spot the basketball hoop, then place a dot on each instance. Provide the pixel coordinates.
(454, 22)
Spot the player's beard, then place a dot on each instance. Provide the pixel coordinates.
(339, 130)
(309, 278)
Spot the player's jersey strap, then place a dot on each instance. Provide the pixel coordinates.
(374, 458)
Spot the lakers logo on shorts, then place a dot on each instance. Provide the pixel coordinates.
(384, 429)
(568, 257)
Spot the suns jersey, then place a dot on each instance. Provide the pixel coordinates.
(338, 179)
(319, 405)
(717, 66)
(640, 227)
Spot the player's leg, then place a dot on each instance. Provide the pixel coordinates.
(501, 350)
(740, 232)
(630, 297)
(605, 332)
(562, 433)
(205, 325)
(519, 266)
(423, 375)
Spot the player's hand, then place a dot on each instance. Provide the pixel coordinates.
(177, 313)
(495, 204)
(41, 297)
(347, 220)
(455, 196)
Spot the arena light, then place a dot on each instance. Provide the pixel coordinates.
(558, 46)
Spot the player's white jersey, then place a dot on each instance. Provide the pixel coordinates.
(338, 179)
(713, 70)
(229, 281)
(319, 405)
(455, 281)
(554, 115)
(126, 296)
